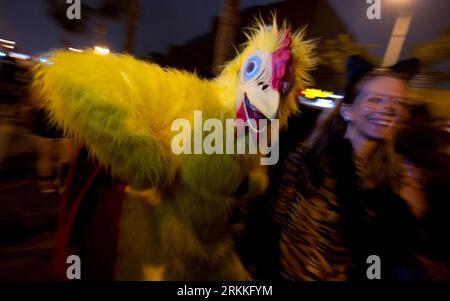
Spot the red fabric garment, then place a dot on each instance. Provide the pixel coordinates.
(88, 220)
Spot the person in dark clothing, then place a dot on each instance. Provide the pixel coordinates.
(425, 183)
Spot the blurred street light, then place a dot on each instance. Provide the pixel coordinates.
(101, 50)
(399, 33)
(75, 49)
(8, 46)
(400, 2)
(19, 56)
(7, 42)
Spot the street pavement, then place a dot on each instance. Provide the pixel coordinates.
(27, 217)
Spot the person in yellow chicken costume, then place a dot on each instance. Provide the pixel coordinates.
(175, 218)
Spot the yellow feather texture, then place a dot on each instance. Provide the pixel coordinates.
(122, 110)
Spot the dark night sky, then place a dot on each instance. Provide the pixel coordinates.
(167, 22)
(162, 23)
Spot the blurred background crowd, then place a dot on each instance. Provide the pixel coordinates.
(200, 35)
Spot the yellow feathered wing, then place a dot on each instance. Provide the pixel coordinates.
(122, 109)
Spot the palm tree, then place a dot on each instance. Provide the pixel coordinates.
(114, 10)
(106, 11)
(226, 34)
(132, 16)
(57, 11)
